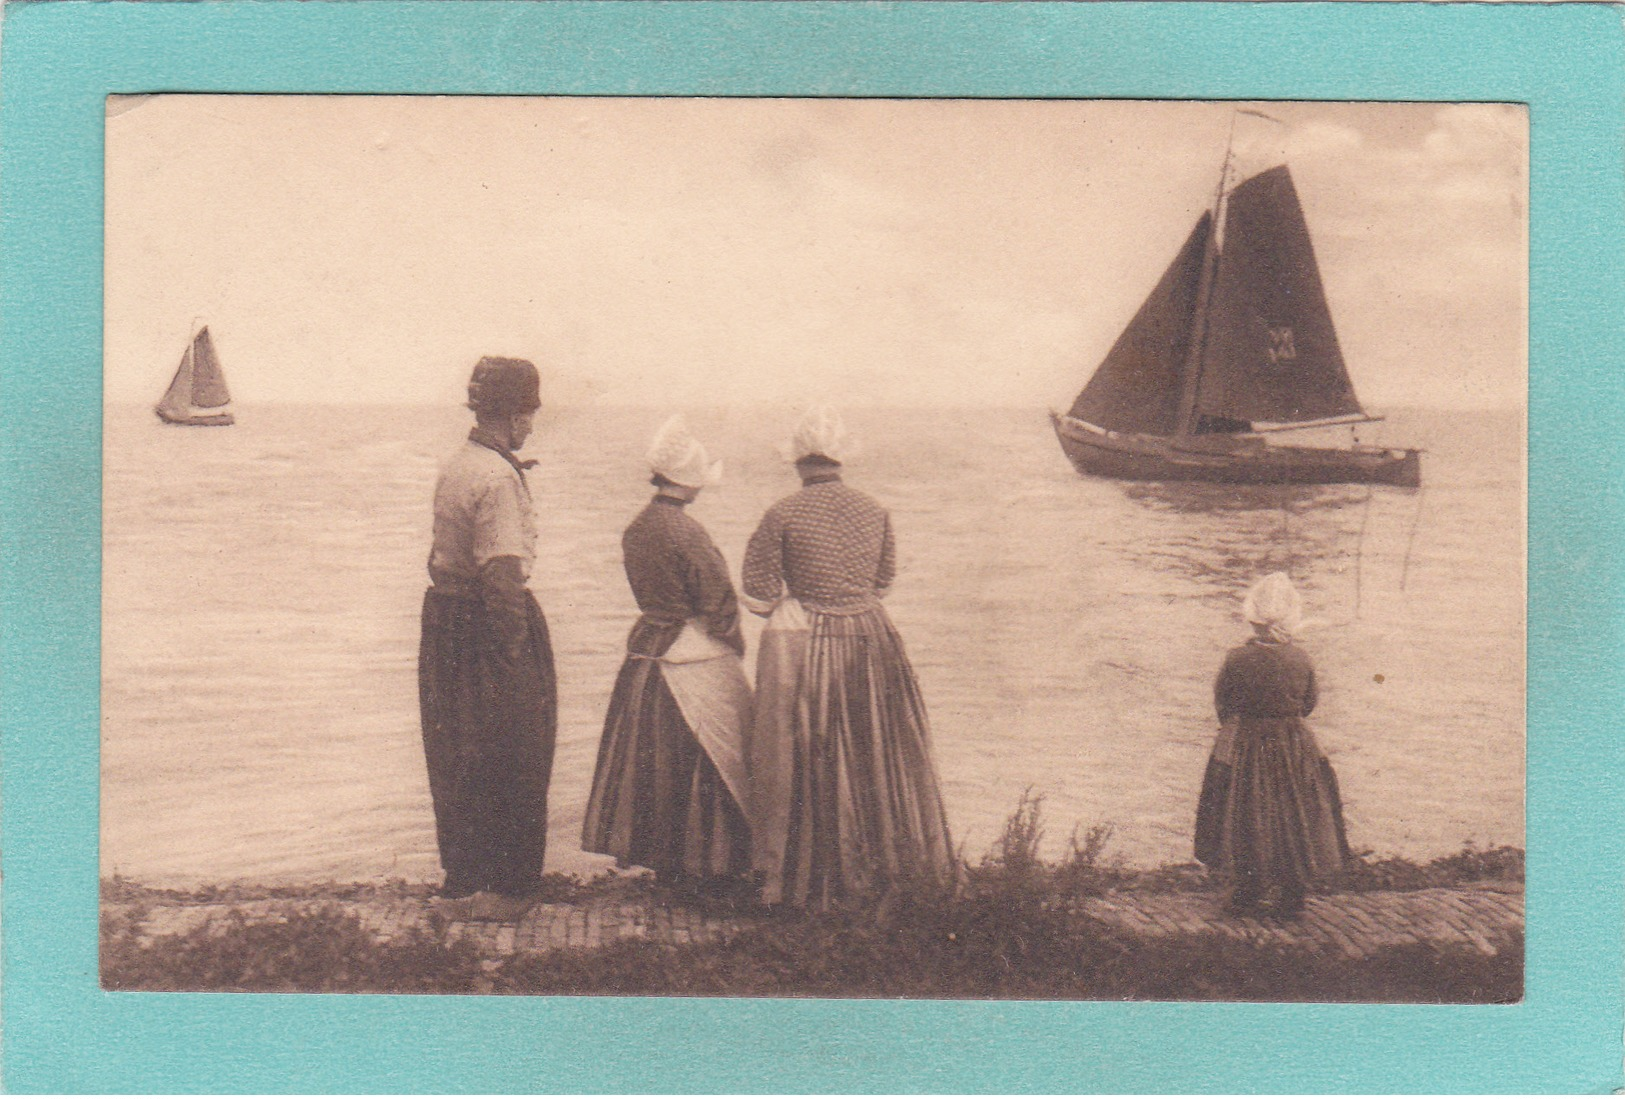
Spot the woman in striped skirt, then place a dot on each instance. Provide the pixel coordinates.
(669, 788)
(845, 799)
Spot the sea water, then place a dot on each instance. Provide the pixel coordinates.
(262, 583)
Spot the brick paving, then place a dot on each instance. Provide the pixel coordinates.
(1486, 917)
(544, 927)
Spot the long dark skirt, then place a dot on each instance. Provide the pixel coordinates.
(865, 806)
(488, 736)
(657, 798)
(1274, 817)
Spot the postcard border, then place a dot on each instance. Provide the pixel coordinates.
(62, 58)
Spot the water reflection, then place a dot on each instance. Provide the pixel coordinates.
(1198, 498)
(1222, 537)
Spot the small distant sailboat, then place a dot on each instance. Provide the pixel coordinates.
(197, 396)
(1236, 342)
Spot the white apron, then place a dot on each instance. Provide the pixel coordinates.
(707, 679)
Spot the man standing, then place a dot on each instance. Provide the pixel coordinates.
(486, 684)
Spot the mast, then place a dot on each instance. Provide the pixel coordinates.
(1204, 296)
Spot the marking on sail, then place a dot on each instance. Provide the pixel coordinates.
(1282, 348)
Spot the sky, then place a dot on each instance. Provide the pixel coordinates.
(356, 249)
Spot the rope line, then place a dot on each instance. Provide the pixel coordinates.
(1416, 523)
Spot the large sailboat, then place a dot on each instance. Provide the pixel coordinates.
(1234, 345)
(197, 395)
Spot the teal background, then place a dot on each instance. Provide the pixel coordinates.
(61, 1033)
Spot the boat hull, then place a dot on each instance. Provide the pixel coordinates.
(1229, 460)
(216, 419)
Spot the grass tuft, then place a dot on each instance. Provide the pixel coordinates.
(1469, 865)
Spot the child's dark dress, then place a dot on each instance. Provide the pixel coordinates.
(1270, 814)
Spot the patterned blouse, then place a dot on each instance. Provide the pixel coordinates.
(676, 573)
(829, 545)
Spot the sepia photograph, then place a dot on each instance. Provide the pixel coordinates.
(1012, 549)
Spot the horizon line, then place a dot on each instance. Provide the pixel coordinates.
(1491, 406)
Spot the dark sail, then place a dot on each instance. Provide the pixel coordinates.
(208, 383)
(1270, 352)
(1137, 388)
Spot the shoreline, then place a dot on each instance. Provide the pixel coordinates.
(1446, 931)
(1368, 873)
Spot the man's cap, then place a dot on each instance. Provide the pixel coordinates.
(505, 386)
